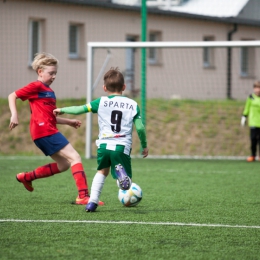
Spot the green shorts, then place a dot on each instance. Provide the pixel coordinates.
(108, 158)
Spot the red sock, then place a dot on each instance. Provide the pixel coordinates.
(80, 179)
(42, 172)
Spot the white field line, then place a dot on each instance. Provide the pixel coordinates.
(187, 157)
(129, 223)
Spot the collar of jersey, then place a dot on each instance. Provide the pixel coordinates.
(111, 96)
(44, 84)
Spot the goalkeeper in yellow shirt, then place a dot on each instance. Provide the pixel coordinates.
(251, 114)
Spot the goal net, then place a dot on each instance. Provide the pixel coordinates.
(191, 94)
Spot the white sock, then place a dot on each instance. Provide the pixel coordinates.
(96, 187)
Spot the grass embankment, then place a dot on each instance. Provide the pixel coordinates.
(179, 127)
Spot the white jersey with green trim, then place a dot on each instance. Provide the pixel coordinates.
(115, 120)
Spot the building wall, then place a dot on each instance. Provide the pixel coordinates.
(179, 74)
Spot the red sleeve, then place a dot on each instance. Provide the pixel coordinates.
(29, 91)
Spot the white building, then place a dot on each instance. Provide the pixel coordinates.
(64, 28)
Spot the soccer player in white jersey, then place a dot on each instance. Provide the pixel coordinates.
(116, 116)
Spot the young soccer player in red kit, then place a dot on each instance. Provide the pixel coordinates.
(43, 128)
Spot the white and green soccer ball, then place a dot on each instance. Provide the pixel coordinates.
(131, 197)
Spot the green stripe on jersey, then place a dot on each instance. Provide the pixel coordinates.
(119, 147)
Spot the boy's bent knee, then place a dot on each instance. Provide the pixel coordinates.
(64, 166)
(76, 159)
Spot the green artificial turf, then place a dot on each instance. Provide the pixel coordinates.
(191, 209)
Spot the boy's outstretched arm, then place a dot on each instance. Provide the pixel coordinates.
(74, 110)
(71, 122)
(142, 135)
(14, 116)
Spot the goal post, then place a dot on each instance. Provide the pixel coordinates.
(179, 65)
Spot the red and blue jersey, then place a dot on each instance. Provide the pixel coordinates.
(42, 102)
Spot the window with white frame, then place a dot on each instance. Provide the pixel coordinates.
(75, 41)
(208, 54)
(154, 55)
(247, 61)
(35, 38)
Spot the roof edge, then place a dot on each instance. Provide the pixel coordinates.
(107, 4)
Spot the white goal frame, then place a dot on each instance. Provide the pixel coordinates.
(108, 45)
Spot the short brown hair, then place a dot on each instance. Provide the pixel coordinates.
(257, 84)
(114, 80)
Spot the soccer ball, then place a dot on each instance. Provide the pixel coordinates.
(131, 197)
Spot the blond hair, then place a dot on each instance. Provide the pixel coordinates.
(42, 60)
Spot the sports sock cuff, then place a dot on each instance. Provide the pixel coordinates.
(77, 167)
(100, 177)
